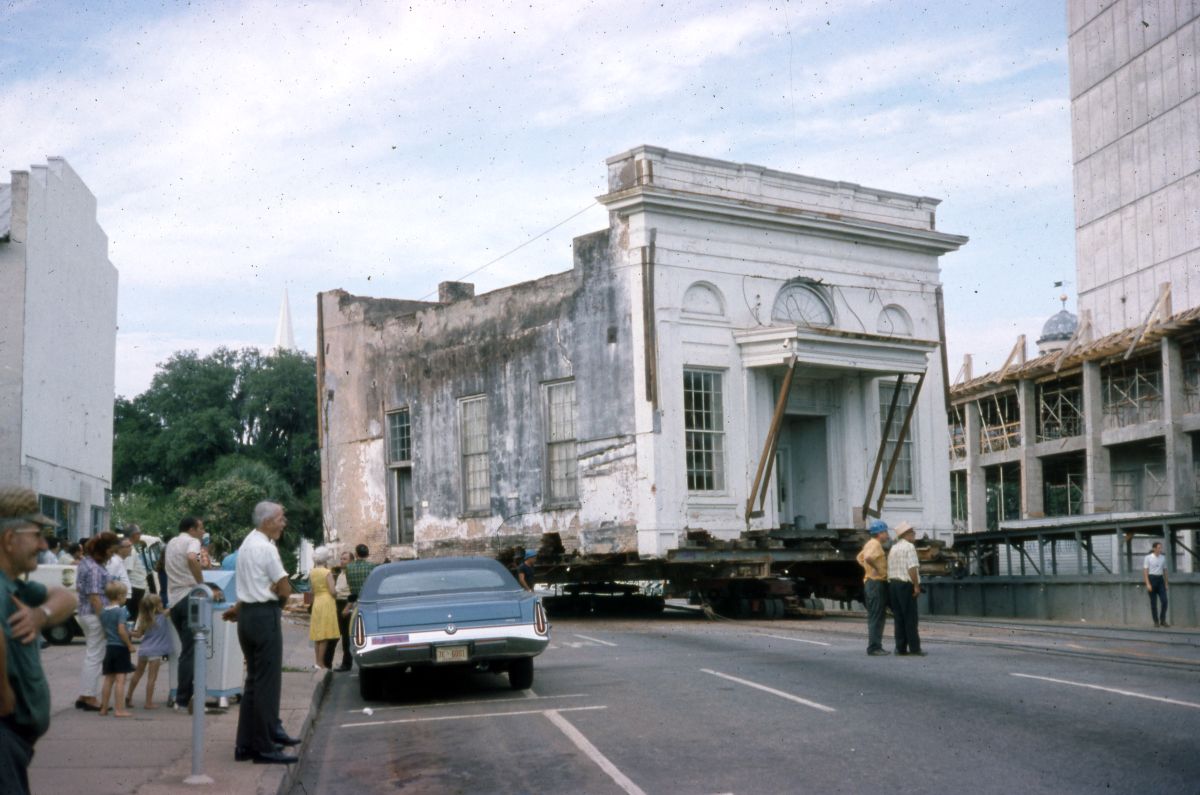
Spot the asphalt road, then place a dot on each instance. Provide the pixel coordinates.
(684, 705)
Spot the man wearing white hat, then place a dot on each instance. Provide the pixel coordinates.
(904, 586)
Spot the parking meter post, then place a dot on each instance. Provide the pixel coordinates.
(200, 622)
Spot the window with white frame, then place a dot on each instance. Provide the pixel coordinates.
(561, 460)
(473, 440)
(401, 507)
(902, 476)
(704, 429)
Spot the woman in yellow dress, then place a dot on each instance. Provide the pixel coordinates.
(323, 628)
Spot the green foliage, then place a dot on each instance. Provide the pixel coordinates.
(214, 435)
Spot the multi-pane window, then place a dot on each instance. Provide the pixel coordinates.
(473, 438)
(561, 457)
(704, 430)
(399, 437)
(902, 475)
(64, 512)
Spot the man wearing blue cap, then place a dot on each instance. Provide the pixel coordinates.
(525, 570)
(875, 585)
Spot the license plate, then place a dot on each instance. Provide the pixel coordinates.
(446, 654)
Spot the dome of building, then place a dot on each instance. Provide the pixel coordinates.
(1060, 326)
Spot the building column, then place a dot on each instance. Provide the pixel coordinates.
(976, 482)
(1032, 493)
(1098, 478)
(1179, 463)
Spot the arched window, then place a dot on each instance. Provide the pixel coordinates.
(703, 298)
(802, 304)
(894, 322)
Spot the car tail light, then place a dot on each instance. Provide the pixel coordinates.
(360, 632)
(539, 618)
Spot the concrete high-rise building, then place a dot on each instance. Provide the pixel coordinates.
(58, 326)
(1135, 132)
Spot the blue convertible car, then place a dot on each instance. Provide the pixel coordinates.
(466, 612)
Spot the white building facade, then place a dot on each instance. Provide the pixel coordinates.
(58, 321)
(636, 398)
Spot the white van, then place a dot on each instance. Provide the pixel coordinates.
(49, 574)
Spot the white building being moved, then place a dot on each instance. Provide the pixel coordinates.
(58, 325)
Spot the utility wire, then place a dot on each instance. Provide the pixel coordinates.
(516, 248)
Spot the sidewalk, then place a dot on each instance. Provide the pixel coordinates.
(151, 752)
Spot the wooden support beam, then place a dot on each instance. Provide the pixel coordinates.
(772, 441)
(887, 427)
(1015, 357)
(1159, 312)
(1082, 332)
(941, 316)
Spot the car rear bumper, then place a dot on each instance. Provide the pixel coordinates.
(482, 644)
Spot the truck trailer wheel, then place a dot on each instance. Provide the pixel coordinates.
(520, 673)
(60, 634)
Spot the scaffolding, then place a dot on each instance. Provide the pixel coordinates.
(1132, 393)
(1060, 411)
(1143, 489)
(958, 434)
(999, 422)
(1191, 375)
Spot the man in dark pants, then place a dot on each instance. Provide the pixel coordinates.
(182, 566)
(904, 586)
(873, 560)
(262, 587)
(1154, 574)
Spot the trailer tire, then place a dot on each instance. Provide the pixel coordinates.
(520, 673)
(60, 634)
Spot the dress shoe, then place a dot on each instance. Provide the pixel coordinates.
(275, 758)
(86, 707)
(284, 739)
(1164, 625)
(879, 652)
(241, 754)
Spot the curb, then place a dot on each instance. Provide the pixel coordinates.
(314, 710)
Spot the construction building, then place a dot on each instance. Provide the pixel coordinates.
(58, 327)
(1068, 466)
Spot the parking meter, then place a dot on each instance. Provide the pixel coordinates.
(199, 613)
(200, 610)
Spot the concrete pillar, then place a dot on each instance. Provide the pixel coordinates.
(1098, 495)
(1180, 463)
(976, 484)
(1032, 493)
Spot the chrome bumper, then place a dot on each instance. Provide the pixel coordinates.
(483, 644)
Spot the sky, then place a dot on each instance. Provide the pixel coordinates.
(238, 149)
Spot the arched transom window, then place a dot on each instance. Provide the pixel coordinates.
(894, 322)
(803, 305)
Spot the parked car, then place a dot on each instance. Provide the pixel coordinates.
(463, 612)
(56, 574)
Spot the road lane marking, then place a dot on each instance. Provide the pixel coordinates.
(1111, 690)
(473, 701)
(796, 640)
(592, 752)
(770, 690)
(594, 640)
(465, 717)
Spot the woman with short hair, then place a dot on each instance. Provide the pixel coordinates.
(90, 579)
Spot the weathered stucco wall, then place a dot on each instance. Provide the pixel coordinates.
(379, 357)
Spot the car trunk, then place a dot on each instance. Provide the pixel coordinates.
(460, 609)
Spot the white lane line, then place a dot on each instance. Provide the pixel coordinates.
(1111, 690)
(529, 693)
(465, 717)
(592, 752)
(594, 640)
(460, 703)
(770, 690)
(795, 640)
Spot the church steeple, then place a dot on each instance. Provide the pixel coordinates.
(285, 338)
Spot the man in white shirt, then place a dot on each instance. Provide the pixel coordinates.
(140, 565)
(904, 586)
(182, 565)
(262, 587)
(116, 565)
(1154, 574)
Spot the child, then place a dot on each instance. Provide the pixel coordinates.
(155, 631)
(118, 648)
